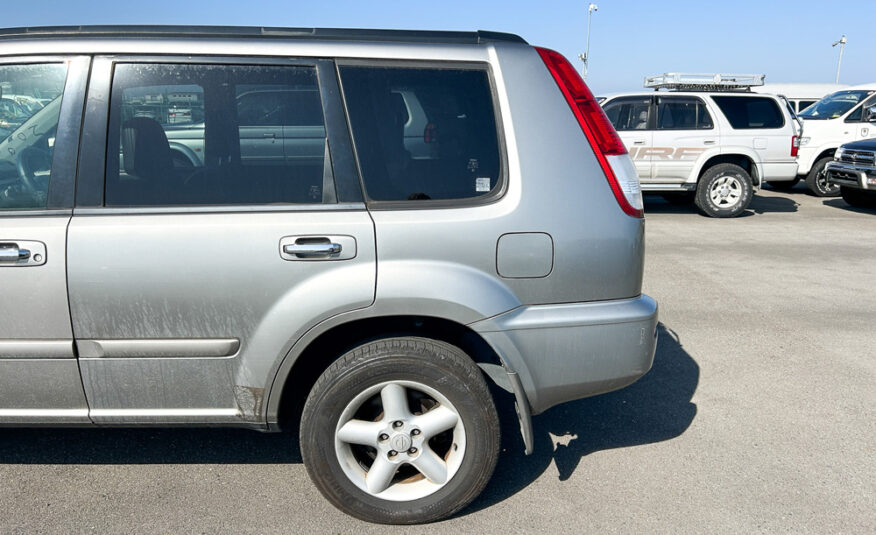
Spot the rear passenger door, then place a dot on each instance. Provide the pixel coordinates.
(684, 131)
(631, 117)
(189, 285)
(39, 376)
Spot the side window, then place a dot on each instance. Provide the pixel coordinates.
(803, 104)
(30, 105)
(423, 133)
(680, 113)
(861, 113)
(856, 116)
(215, 135)
(749, 112)
(629, 113)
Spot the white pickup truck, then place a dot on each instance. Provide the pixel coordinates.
(838, 118)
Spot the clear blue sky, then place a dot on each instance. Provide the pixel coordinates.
(789, 40)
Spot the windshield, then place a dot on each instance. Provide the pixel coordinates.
(835, 105)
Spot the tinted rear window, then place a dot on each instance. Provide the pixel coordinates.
(203, 134)
(423, 133)
(750, 112)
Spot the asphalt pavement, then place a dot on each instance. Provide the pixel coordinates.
(758, 415)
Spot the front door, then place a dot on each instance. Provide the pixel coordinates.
(189, 285)
(39, 126)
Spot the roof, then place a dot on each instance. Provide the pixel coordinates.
(232, 32)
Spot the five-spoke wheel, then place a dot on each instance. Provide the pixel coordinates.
(400, 430)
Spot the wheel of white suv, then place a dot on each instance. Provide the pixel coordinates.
(724, 190)
(858, 198)
(400, 431)
(784, 185)
(816, 180)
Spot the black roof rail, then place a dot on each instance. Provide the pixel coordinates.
(326, 34)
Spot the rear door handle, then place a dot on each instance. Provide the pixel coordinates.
(639, 142)
(304, 250)
(9, 252)
(315, 248)
(22, 253)
(709, 142)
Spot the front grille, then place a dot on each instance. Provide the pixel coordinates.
(859, 157)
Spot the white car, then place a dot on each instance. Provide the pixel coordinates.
(838, 118)
(712, 147)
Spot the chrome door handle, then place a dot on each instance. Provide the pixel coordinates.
(309, 250)
(9, 252)
(317, 248)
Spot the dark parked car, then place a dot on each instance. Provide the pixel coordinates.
(854, 171)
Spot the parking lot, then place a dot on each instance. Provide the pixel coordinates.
(758, 414)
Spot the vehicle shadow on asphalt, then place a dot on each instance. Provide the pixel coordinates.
(843, 205)
(654, 204)
(658, 407)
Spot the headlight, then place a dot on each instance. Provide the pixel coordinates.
(838, 155)
(803, 141)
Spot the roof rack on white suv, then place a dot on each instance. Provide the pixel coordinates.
(680, 81)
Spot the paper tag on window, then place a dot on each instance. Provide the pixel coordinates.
(482, 183)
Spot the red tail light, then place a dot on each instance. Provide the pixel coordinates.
(795, 145)
(430, 135)
(599, 132)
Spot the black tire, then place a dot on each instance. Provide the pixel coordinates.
(681, 198)
(437, 365)
(784, 185)
(816, 180)
(739, 187)
(858, 198)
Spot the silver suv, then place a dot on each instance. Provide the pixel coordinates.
(366, 291)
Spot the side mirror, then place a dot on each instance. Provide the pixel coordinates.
(871, 114)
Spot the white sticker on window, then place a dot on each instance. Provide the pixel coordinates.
(482, 183)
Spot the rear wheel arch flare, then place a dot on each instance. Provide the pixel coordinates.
(293, 387)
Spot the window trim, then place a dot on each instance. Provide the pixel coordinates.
(491, 197)
(656, 104)
(59, 196)
(91, 172)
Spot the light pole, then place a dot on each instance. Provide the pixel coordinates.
(842, 44)
(586, 55)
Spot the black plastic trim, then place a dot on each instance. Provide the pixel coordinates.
(92, 142)
(346, 171)
(66, 147)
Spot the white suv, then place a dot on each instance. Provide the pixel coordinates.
(841, 117)
(710, 147)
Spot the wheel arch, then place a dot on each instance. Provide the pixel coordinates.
(825, 153)
(745, 161)
(311, 357)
